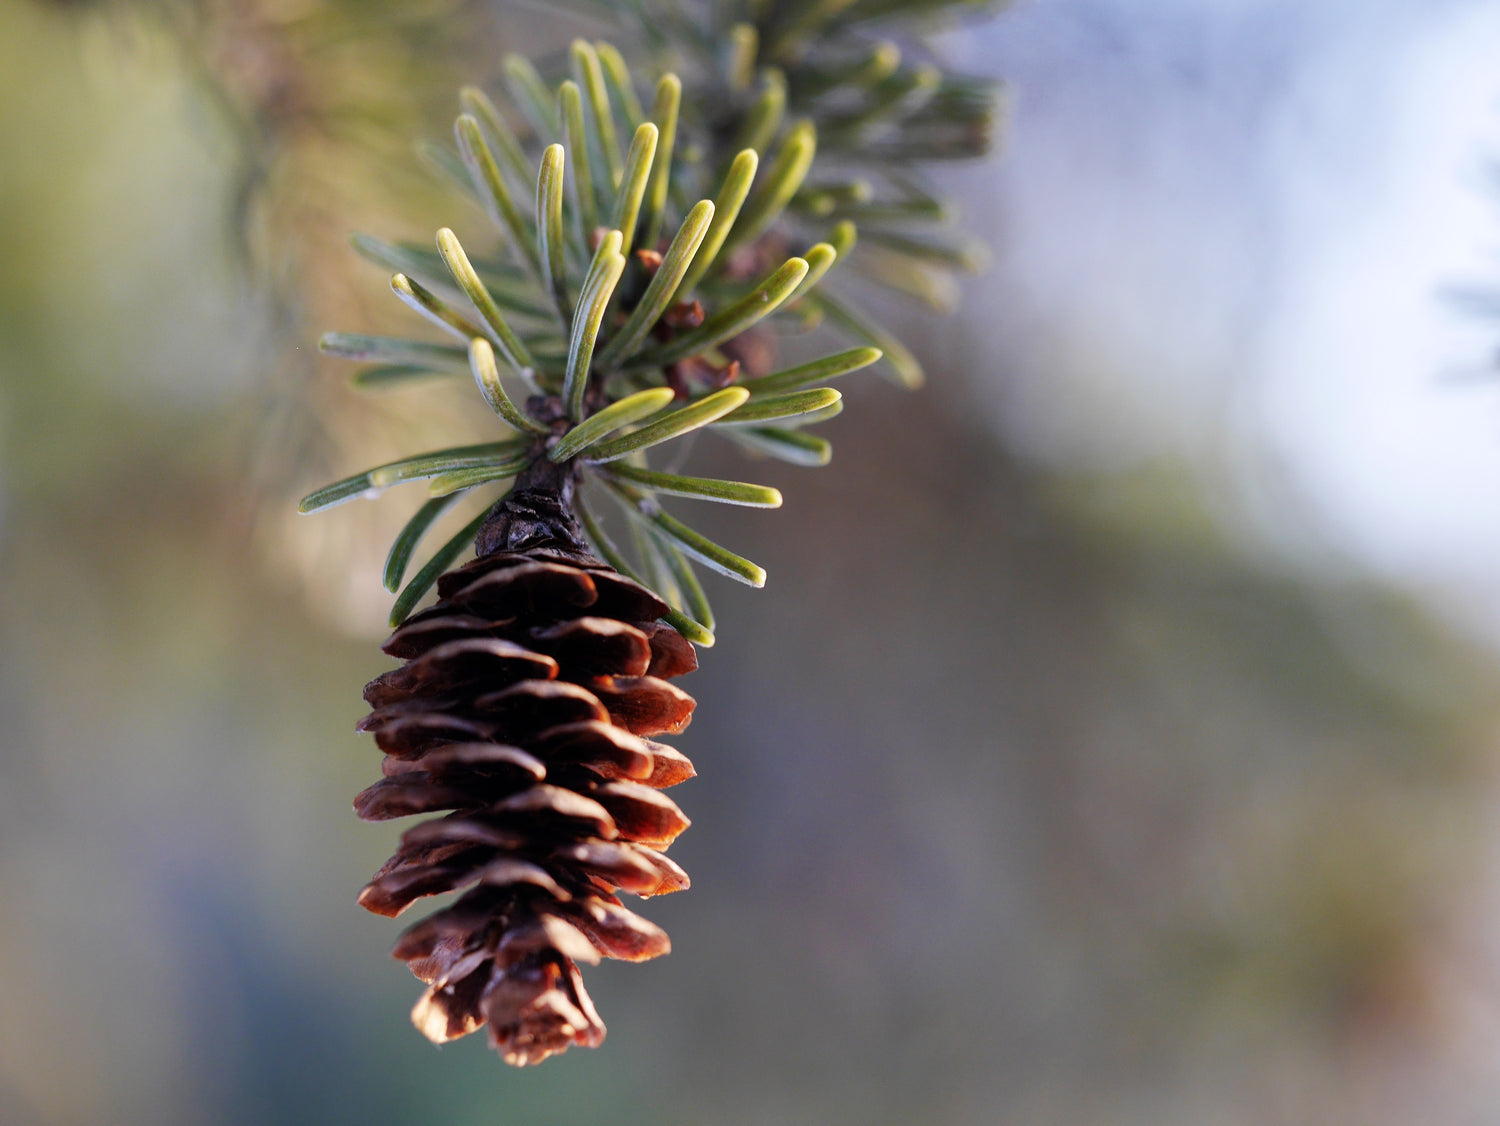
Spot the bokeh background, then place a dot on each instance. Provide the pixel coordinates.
(1115, 741)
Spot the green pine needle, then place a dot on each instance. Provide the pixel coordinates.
(411, 535)
(693, 631)
(621, 85)
(968, 256)
(478, 105)
(424, 579)
(421, 300)
(699, 488)
(549, 229)
(460, 479)
(792, 446)
(517, 355)
(908, 370)
(531, 94)
(815, 371)
(664, 114)
(570, 99)
(397, 375)
(696, 600)
(727, 204)
(697, 545)
(813, 417)
(590, 78)
(372, 481)
(487, 376)
(763, 121)
(674, 424)
(741, 47)
(601, 425)
(664, 285)
(653, 563)
(458, 460)
(448, 165)
(492, 188)
(388, 349)
(598, 288)
(633, 184)
(783, 178)
(735, 318)
(512, 289)
(710, 554)
(773, 408)
(820, 259)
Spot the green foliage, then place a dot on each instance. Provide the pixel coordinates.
(859, 77)
(795, 132)
(595, 357)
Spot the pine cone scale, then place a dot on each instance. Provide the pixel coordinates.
(643, 705)
(457, 664)
(532, 705)
(595, 646)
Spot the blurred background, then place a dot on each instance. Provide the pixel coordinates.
(1115, 741)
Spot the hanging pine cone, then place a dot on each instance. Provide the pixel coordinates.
(524, 707)
(531, 690)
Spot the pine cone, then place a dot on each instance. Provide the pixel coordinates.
(524, 707)
(531, 689)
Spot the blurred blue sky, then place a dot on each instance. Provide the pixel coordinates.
(1223, 231)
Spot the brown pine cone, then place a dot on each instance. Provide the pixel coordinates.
(525, 707)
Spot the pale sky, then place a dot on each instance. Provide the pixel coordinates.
(1222, 232)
